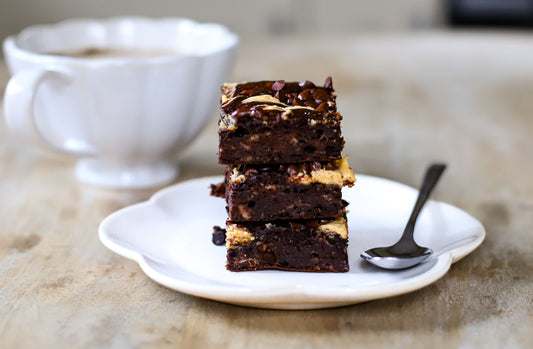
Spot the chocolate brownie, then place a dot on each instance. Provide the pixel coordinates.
(307, 245)
(296, 191)
(278, 122)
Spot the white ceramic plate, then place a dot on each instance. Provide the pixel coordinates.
(170, 237)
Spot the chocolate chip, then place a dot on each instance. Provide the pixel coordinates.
(306, 84)
(305, 95)
(219, 235)
(316, 166)
(330, 166)
(278, 85)
(292, 98)
(254, 113)
(322, 106)
(298, 102)
(311, 104)
(321, 95)
(329, 83)
(292, 170)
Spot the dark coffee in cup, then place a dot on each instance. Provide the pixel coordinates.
(94, 53)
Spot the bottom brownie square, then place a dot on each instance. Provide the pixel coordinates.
(303, 245)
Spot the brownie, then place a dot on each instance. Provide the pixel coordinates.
(306, 245)
(277, 192)
(279, 122)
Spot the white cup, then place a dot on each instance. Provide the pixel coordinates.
(125, 117)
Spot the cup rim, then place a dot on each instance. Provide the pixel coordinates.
(11, 45)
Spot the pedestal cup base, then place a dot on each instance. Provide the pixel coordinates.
(126, 176)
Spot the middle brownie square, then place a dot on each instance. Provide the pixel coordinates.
(280, 192)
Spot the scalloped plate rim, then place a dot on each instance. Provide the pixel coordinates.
(282, 297)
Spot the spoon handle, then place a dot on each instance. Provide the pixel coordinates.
(431, 178)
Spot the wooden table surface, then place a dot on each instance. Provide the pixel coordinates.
(462, 98)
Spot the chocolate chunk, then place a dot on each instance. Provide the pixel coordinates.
(316, 166)
(219, 235)
(290, 99)
(311, 104)
(278, 85)
(321, 96)
(322, 107)
(292, 170)
(298, 102)
(305, 95)
(330, 166)
(306, 84)
(328, 83)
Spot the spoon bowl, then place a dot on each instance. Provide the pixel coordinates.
(386, 258)
(406, 252)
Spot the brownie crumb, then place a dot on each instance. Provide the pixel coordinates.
(218, 190)
(219, 235)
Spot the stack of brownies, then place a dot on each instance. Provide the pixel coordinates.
(282, 144)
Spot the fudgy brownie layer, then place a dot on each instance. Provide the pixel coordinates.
(277, 192)
(288, 142)
(258, 202)
(297, 246)
(277, 122)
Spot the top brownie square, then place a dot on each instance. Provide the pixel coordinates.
(271, 122)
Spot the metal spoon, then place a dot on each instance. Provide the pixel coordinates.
(406, 253)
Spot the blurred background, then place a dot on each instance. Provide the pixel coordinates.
(400, 68)
(282, 17)
(248, 18)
